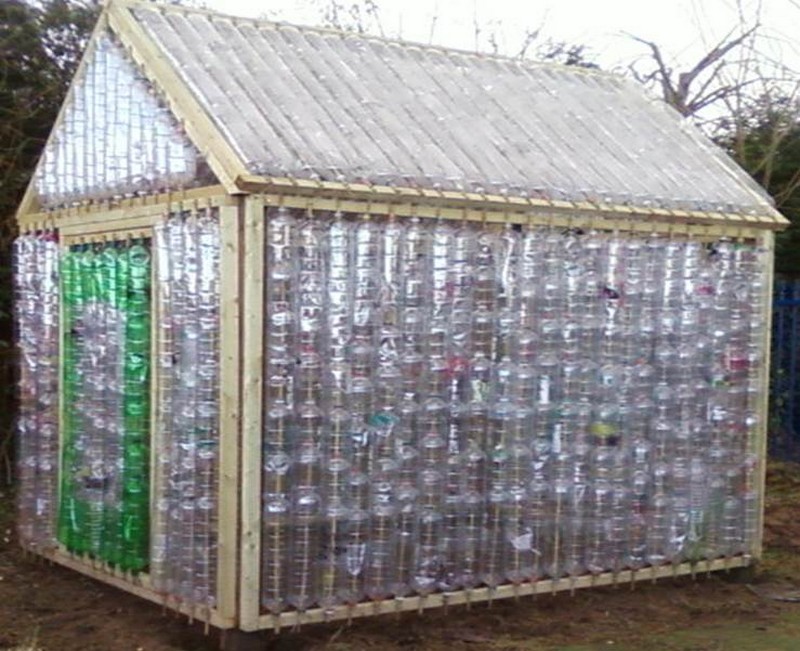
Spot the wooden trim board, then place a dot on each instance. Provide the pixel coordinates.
(101, 212)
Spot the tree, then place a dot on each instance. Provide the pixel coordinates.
(40, 46)
(766, 142)
(41, 43)
(749, 104)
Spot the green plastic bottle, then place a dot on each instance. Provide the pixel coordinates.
(106, 383)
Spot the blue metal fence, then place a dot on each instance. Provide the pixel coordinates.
(784, 426)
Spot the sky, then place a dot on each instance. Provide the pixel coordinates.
(684, 29)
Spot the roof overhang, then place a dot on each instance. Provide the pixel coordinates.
(428, 202)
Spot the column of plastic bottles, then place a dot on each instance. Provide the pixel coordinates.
(36, 299)
(116, 138)
(184, 541)
(451, 405)
(106, 387)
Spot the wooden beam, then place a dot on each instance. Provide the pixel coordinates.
(224, 161)
(92, 211)
(461, 597)
(252, 407)
(466, 201)
(230, 409)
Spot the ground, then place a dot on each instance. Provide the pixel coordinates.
(52, 609)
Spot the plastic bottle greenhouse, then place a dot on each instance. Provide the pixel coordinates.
(315, 325)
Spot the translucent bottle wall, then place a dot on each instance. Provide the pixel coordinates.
(104, 510)
(115, 138)
(37, 314)
(452, 405)
(184, 542)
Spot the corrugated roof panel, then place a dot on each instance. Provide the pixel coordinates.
(316, 104)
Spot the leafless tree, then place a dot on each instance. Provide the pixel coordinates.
(704, 83)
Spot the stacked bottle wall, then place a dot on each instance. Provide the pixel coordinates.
(184, 541)
(115, 138)
(104, 509)
(37, 307)
(452, 405)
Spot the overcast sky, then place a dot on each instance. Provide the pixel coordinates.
(685, 29)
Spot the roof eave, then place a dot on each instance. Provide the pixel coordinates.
(393, 195)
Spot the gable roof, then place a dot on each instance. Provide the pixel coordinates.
(278, 102)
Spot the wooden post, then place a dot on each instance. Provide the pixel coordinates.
(252, 400)
(230, 409)
(767, 241)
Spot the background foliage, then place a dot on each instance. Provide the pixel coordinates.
(40, 46)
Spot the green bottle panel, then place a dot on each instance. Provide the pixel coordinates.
(104, 510)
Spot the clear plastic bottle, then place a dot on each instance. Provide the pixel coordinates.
(36, 299)
(279, 417)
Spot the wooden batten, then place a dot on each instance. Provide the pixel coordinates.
(103, 214)
(252, 396)
(293, 619)
(230, 221)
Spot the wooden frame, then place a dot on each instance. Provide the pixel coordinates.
(539, 216)
(94, 216)
(137, 220)
(255, 221)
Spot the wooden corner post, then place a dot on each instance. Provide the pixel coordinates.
(767, 242)
(252, 407)
(230, 224)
